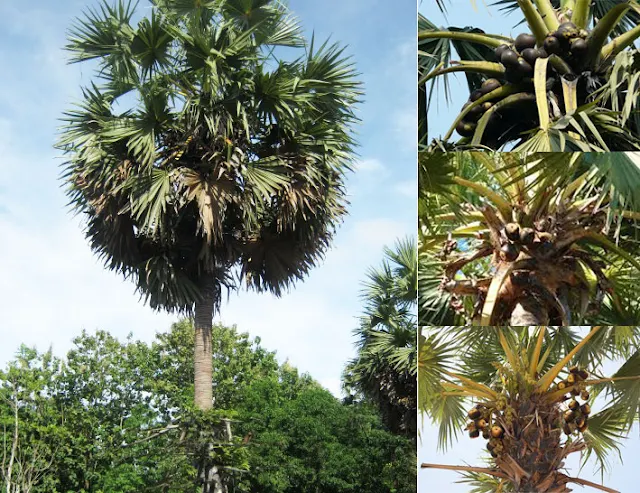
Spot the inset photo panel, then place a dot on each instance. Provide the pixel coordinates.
(208, 265)
(529, 409)
(529, 75)
(514, 239)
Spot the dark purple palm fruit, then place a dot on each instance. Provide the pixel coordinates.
(524, 41)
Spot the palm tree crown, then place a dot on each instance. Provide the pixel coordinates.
(511, 239)
(536, 395)
(569, 83)
(385, 369)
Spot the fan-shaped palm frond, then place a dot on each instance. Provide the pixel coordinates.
(385, 368)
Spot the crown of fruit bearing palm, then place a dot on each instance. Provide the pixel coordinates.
(226, 159)
(566, 71)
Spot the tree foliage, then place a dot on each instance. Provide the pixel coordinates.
(119, 416)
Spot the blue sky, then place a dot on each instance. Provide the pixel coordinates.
(472, 452)
(53, 287)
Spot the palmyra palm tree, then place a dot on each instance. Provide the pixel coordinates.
(570, 83)
(198, 159)
(530, 392)
(541, 239)
(385, 370)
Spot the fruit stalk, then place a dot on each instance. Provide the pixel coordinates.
(491, 41)
(548, 14)
(538, 26)
(495, 94)
(508, 101)
(598, 37)
(580, 15)
(611, 50)
(488, 68)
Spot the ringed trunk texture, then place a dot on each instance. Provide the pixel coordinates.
(529, 311)
(203, 364)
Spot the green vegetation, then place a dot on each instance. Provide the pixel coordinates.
(119, 417)
(384, 371)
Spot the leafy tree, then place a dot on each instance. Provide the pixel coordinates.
(384, 371)
(196, 155)
(117, 416)
(537, 395)
(517, 239)
(569, 84)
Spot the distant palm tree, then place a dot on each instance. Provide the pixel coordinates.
(385, 368)
(196, 155)
(530, 392)
(516, 239)
(568, 84)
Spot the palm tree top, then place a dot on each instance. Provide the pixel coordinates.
(226, 161)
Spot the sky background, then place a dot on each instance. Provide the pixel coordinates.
(465, 451)
(52, 287)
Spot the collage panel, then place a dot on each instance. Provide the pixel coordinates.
(529, 75)
(529, 409)
(528, 258)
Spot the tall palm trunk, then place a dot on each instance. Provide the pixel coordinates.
(529, 311)
(203, 364)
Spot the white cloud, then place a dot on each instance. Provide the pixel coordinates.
(369, 166)
(408, 188)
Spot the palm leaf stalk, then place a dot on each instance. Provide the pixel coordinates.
(528, 240)
(529, 393)
(584, 46)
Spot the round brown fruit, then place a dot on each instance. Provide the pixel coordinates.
(568, 30)
(580, 422)
(512, 231)
(481, 424)
(571, 379)
(509, 252)
(584, 395)
(474, 413)
(486, 435)
(573, 404)
(475, 95)
(524, 68)
(574, 369)
(474, 433)
(524, 41)
(579, 47)
(569, 416)
(567, 429)
(500, 50)
(486, 106)
(583, 374)
(527, 236)
(575, 392)
(497, 431)
(509, 58)
(474, 113)
(490, 85)
(465, 129)
(586, 409)
(552, 45)
(562, 385)
(584, 426)
(531, 55)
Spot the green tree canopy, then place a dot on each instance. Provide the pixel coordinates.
(114, 416)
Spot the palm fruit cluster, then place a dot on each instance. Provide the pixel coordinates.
(575, 418)
(483, 422)
(515, 238)
(467, 126)
(568, 43)
(524, 430)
